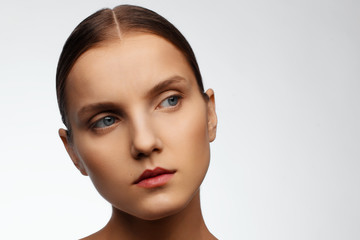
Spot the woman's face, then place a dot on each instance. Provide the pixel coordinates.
(134, 105)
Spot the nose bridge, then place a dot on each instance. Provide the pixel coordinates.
(143, 135)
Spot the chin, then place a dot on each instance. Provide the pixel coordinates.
(154, 215)
(161, 207)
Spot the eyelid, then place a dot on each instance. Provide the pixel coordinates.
(100, 116)
(178, 95)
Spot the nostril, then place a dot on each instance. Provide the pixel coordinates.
(141, 155)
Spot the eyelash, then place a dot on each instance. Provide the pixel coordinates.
(100, 121)
(178, 102)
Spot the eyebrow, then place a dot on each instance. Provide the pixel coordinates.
(96, 107)
(163, 85)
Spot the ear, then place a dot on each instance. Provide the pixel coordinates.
(70, 150)
(211, 114)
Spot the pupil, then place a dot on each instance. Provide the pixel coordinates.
(173, 101)
(108, 121)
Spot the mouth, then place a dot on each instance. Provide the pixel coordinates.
(154, 178)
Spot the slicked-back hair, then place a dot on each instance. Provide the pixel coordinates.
(110, 24)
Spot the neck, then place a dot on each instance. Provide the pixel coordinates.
(187, 224)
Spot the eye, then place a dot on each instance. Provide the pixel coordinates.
(171, 101)
(105, 122)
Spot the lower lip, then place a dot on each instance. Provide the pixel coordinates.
(157, 181)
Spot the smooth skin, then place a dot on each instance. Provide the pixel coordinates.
(134, 104)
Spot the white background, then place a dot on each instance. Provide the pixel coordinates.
(286, 161)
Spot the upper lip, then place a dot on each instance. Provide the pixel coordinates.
(152, 173)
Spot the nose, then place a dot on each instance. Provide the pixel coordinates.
(145, 141)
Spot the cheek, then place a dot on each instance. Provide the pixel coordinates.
(187, 139)
(106, 160)
(197, 148)
(194, 137)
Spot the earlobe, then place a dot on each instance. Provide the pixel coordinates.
(211, 114)
(70, 150)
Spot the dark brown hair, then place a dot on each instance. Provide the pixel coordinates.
(108, 24)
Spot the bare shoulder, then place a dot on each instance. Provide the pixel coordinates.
(213, 238)
(96, 236)
(91, 237)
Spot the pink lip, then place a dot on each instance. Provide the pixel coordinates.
(154, 178)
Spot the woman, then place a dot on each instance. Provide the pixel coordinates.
(138, 122)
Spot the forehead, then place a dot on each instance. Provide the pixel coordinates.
(116, 68)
